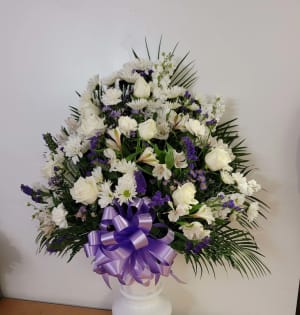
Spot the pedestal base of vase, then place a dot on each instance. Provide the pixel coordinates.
(140, 300)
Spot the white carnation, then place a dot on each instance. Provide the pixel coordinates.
(252, 211)
(218, 159)
(127, 124)
(185, 195)
(75, 147)
(59, 216)
(89, 126)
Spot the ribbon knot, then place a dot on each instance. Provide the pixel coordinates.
(124, 248)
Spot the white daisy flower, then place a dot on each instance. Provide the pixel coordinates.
(138, 104)
(123, 166)
(175, 91)
(126, 188)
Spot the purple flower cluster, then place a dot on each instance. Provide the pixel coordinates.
(199, 176)
(141, 185)
(230, 204)
(158, 200)
(36, 195)
(190, 150)
(196, 249)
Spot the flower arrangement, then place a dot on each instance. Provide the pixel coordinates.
(143, 170)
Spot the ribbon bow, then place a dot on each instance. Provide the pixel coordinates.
(123, 247)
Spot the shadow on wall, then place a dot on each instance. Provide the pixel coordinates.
(9, 257)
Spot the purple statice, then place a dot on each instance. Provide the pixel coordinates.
(190, 150)
(211, 122)
(141, 185)
(115, 114)
(158, 200)
(204, 243)
(94, 141)
(228, 204)
(187, 94)
(36, 196)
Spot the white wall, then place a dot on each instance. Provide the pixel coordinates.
(247, 51)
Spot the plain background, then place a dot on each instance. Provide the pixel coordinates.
(247, 51)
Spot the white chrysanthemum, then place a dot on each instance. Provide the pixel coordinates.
(138, 104)
(179, 159)
(161, 171)
(252, 211)
(123, 166)
(86, 107)
(89, 126)
(74, 148)
(126, 188)
(111, 97)
(59, 216)
(194, 231)
(110, 80)
(106, 196)
(97, 174)
(72, 125)
(92, 83)
(175, 91)
(205, 213)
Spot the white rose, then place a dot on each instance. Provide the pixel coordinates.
(194, 231)
(217, 159)
(127, 124)
(85, 190)
(59, 216)
(147, 129)
(252, 211)
(89, 126)
(185, 195)
(195, 127)
(141, 88)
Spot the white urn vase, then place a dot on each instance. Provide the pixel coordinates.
(137, 299)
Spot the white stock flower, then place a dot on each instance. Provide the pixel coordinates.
(179, 159)
(194, 127)
(226, 178)
(126, 188)
(141, 88)
(218, 159)
(106, 196)
(205, 213)
(111, 97)
(75, 147)
(59, 216)
(126, 125)
(252, 211)
(185, 195)
(161, 171)
(97, 174)
(194, 231)
(147, 130)
(148, 157)
(85, 190)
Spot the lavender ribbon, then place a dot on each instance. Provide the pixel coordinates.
(123, 247)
